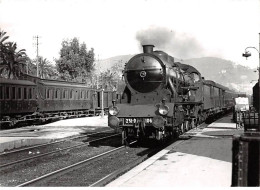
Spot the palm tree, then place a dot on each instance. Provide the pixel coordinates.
(3, 49)
(3, 37)
(46, 70)
(15, 60)
(12, 62)
(31, 67)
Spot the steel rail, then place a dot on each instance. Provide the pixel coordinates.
(50, 143)
(52, 152)
(71, 167)
(110, 177)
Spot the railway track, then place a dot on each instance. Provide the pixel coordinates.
(13, 173)
(58, 146)
(86, 143)
(63, 171)
(54, 142)
(98, 170)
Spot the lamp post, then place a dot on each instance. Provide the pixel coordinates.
(248, 54)
(249, 142)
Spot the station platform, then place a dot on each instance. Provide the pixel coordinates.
(33, 135)
(202, 160)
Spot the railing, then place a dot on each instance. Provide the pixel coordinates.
(250, 121)
(246, 153)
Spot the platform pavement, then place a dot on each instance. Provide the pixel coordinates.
(205, 160)
(34, 135)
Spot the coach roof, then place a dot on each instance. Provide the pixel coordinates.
(63, 84)
(17, 82)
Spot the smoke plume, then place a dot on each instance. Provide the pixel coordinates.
(175, 44)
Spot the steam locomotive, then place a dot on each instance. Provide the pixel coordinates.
(31, 100)
(164, 98)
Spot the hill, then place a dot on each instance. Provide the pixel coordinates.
(222, 71)
(105, 64)
(225, 72)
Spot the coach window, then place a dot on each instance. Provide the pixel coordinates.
(1, 92)
(71, 94)
(13, 92)
(25, 93)
(64, 94)
(87, 94)
(48, 93)
(33, 93)
(7, 92)
(30, 93)
(19, 93)
(76, 95)
(56, 94)
(81, 96)
(51, 93)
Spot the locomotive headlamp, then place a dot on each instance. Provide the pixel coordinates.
(113, 110)
(163, 109)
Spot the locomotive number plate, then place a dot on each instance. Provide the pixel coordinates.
(136, 120)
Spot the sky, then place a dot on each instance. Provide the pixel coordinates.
(183, 28)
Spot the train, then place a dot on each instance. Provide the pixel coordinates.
(32, 100)
(164, 97)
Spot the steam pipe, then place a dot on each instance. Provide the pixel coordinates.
(172, 87)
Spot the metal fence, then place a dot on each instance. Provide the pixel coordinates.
(246, 153)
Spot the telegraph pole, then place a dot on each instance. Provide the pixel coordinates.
(37, 54)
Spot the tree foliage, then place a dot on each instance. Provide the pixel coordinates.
(12, 61)
(75, 63)
(111, 79)
(46, 69)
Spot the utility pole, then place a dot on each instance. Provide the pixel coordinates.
(37, 54)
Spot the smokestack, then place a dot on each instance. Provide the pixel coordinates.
(148, 48)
